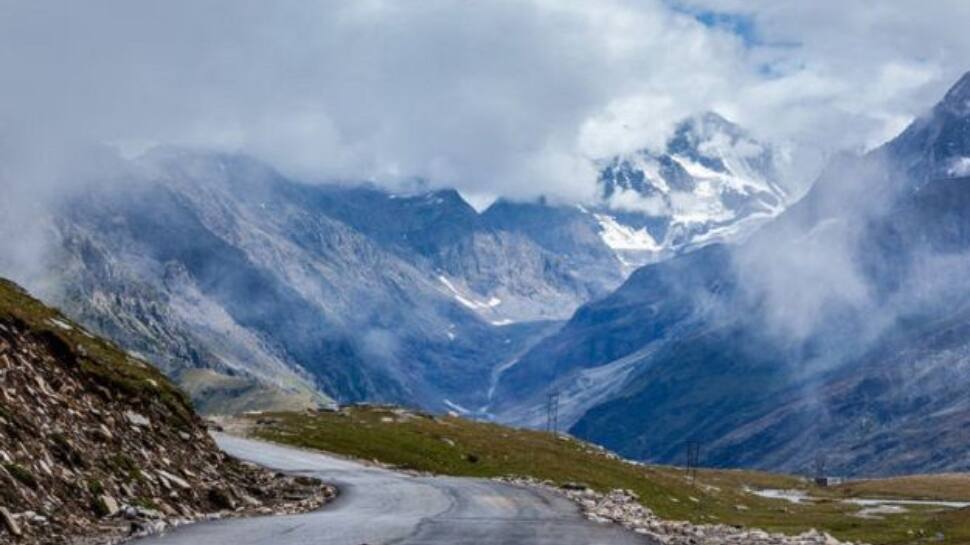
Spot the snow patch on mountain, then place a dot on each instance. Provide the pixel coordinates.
(455, 407)
(466, 300)
(734, 231)
(486, 309)
(960, 167)
(624, 237)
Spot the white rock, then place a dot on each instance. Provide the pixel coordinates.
(137, 420)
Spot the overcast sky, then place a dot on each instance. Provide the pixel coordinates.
(492, 97)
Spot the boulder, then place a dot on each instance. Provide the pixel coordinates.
(106, 505)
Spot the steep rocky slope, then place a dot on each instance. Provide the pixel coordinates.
(94, 442)
(217, 262)
(492, 264)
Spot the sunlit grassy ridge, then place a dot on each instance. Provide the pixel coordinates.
(455, 446)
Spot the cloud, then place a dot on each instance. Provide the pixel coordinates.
(873, 66)
(494, 98)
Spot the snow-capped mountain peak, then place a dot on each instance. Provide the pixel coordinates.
(712, 182)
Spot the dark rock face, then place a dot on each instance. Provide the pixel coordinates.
(872, 405)
(589, 359)
(838, 329)
(94, 442)
(650, 306)
(935, 146)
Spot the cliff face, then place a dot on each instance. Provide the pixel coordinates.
(96, 443)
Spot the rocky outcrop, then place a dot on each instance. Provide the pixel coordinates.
(623, 507)
(97, 444)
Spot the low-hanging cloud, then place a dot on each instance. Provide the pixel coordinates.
(506, 98)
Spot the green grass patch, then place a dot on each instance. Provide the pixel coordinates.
(453, 446)
(95, 487)
(146, 503)
(121, 463)
(100, 507)
(22, 474)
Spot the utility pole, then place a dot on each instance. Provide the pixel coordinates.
(820, 462)
(693, 459)
(552, 412)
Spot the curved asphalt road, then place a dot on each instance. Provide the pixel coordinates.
(382, 507)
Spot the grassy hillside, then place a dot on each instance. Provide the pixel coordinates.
(455, 446)
(100, 359)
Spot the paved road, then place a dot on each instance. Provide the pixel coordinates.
(381, 507)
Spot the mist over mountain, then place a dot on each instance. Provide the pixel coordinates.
(275, 206)
(688, 272)
(217, 262)
(834, 331)
(290, 294)
(691, 288)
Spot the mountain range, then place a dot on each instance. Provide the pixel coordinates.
(838, 332)
(255, 290)
(696, 298)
